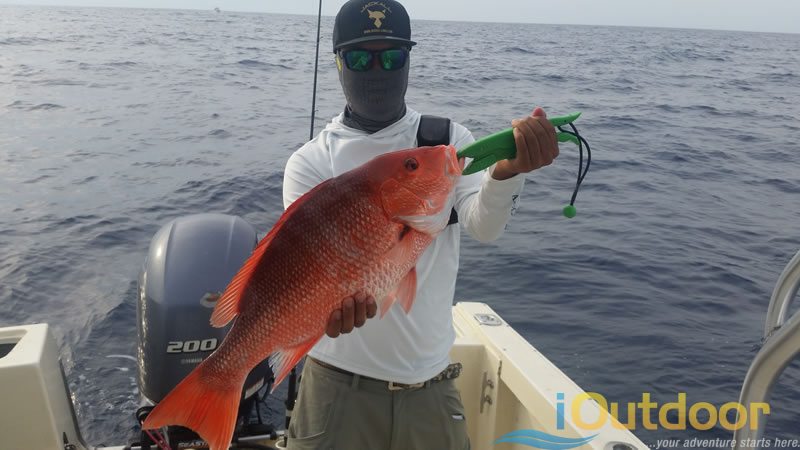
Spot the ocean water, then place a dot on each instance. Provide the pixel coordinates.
(115, 121)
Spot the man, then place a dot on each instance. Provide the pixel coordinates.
(389, 385)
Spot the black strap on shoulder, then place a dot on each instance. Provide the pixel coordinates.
(434, 130)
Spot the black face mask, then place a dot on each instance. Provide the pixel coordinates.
(375, 98)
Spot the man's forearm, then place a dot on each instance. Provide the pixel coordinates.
(486, 213)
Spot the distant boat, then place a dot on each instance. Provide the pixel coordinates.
(217, 10)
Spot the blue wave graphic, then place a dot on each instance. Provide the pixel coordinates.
(540, 439)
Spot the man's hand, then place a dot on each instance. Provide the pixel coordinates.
(536, 146)
(354, 313)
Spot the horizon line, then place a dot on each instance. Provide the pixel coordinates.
(418, 19)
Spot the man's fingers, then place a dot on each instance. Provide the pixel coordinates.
(334, 327)
(372, 307)
(354, 313)
(544, 139)
(531, 158)
(522, 145)
(551, 132)
(348, 315)
(536, 141)
(549, 128)
(360, 311)
(541, 117)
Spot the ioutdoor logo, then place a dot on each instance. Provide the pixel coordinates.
(540, 439)
(699, 416)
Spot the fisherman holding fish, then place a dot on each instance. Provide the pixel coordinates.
(374, 210)
(390, 385)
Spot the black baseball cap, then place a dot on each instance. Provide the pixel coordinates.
(363, 21)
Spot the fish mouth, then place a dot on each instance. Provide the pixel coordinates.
(453, 165)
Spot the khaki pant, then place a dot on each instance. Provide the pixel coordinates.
(336, 411)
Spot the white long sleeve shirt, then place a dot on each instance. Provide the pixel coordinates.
(398, 347)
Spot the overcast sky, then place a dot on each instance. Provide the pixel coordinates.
(748, 15)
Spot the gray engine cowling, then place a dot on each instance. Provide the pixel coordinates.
(190, 262)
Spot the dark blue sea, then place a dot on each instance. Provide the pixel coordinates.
(115, 121)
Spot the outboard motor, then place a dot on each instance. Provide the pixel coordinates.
(190, 262)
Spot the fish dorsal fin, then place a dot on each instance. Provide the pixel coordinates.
(229, 305)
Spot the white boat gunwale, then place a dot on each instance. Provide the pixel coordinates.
(506, 385)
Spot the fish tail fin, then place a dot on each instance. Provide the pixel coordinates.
(209, 410)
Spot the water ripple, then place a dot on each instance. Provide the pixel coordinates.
(120, 120)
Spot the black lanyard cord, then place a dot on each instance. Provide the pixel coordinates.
(582, 171)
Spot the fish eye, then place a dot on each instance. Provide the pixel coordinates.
(411, 164)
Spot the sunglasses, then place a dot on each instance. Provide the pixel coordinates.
(360, 60)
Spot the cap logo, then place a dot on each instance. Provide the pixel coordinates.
(377, 16)
(377, 11)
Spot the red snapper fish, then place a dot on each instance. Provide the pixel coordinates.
(360, 232)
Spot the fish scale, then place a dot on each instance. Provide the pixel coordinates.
(360, 232)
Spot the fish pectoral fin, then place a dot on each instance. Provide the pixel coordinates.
(403, 249)
(282, 361)
(387, 303)
(405, 292)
